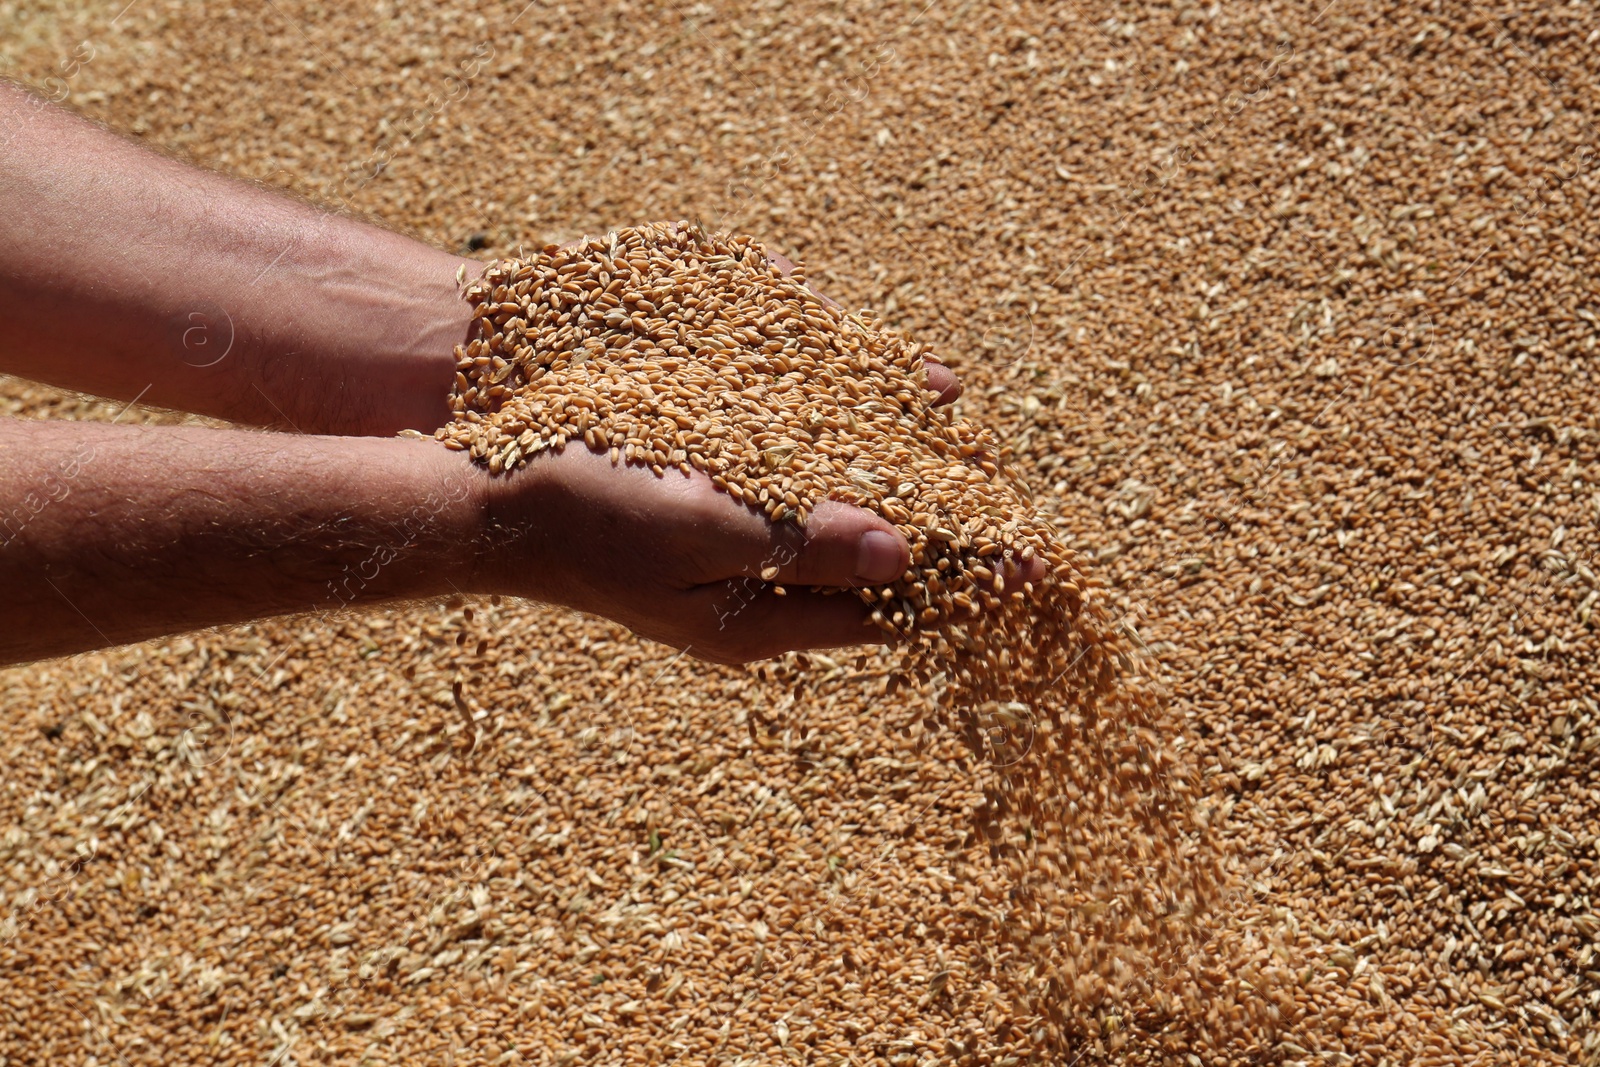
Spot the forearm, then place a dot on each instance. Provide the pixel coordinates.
(113, 534)
(125, 273)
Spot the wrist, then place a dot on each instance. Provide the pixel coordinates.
(409, 326)
(521, 516)
(446, 526)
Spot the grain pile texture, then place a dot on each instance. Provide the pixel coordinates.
(670, 347)
(1288, 316)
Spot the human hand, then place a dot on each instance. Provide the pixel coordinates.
(681, 562)
(677, 560)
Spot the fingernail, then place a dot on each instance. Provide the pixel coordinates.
(878, 557)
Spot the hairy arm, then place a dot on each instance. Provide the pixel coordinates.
(130, 275)
(112, 534)
(127, 274)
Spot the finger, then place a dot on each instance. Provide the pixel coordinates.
(764, 624)
(849, 547)
(840, 546)
(941, 380)
(1016, 572)
(846, 546)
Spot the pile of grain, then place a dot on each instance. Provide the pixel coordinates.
(1288, 314)
(672, 347)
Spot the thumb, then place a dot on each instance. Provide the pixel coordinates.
(841, 545)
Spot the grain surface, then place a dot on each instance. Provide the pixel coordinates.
(666, 346)
(1287, 316)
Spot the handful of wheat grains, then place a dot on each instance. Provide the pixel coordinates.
(672, 347)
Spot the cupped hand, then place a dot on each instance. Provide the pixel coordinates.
(677, 560)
